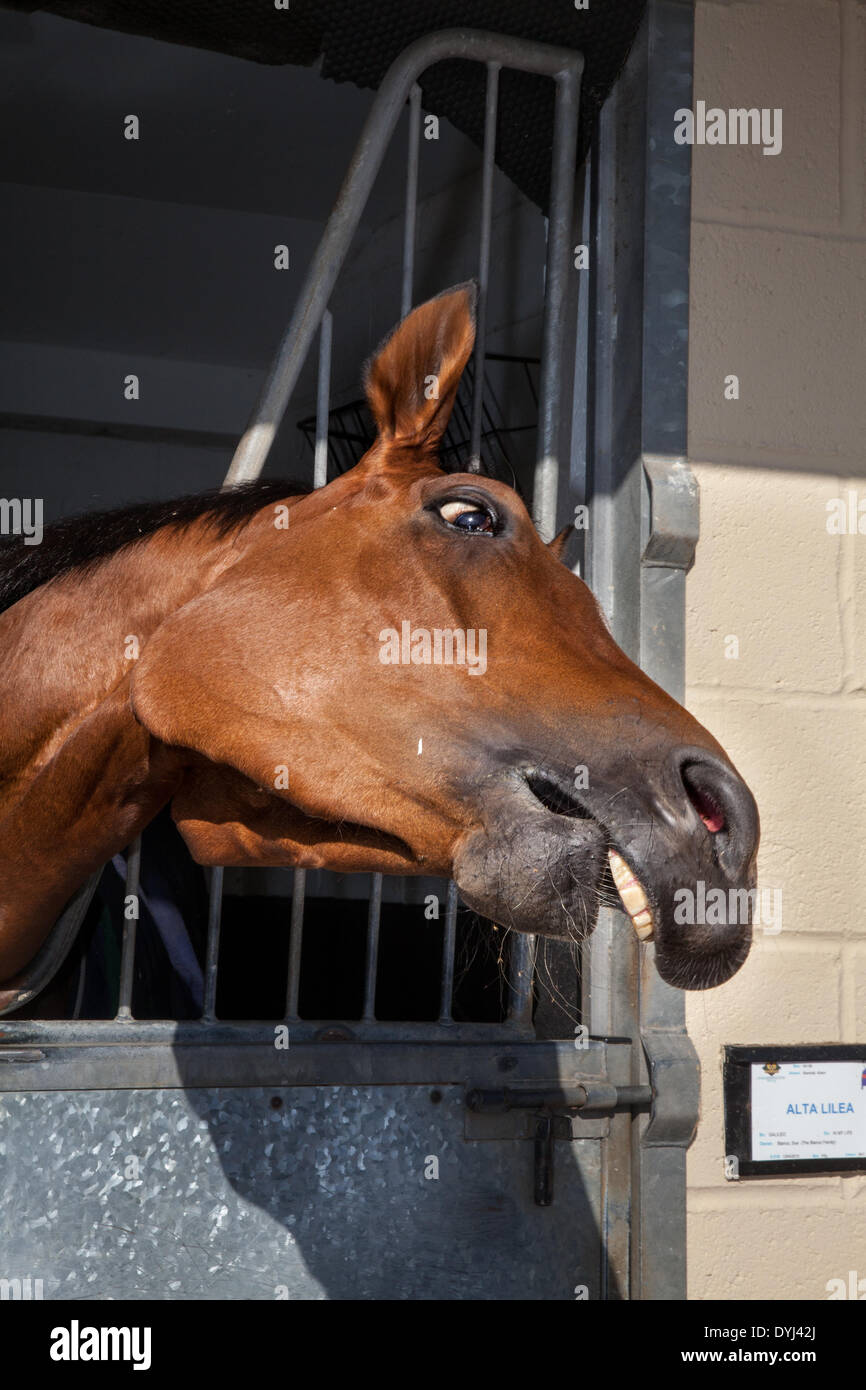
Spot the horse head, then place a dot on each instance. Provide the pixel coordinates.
(396, 673)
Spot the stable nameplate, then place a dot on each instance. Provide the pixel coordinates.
(795, 1110)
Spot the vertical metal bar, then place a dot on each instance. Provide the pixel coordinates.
(558, 972)
(637, 426)
(487, 171)
(323, 391)
(373, 921)
(544, 1151)
(214, 921)
(295, 943)
(667, 1056)
(560, 223)
(320, 478)
(410, 220)
(578, 450)
(127, 953)
(449, 938)
(521, 972)
(546, 483)
(610, 957)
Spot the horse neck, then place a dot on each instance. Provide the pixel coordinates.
(67, 645)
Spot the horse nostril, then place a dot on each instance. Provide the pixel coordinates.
(724, 805)
(555, 795)
(706, 806)
(702, 784)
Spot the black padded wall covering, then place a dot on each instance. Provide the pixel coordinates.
(357, 40)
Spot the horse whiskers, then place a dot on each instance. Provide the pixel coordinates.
(547, 982)
(481, 938)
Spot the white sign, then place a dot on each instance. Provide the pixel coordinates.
(803, 1110)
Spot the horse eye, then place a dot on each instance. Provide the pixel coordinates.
(468, 516)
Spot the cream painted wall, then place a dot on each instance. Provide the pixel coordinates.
(779, 299)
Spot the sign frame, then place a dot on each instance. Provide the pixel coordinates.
(737, 1086)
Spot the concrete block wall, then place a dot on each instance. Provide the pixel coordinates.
(778, 298)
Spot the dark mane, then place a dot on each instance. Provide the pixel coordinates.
(79, 542)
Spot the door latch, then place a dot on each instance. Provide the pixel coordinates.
(589, 1098)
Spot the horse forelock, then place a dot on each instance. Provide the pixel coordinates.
(78, 543)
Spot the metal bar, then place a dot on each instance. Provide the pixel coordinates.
(579, 327)
(598, 1096)
(295, 943)
(229, 1060)
(546, 481)
(127, 954)
(323, 392)
(670, 526)
(214, 920)
(521, 973)
(560, 223)
(637, 427)
(487, 170)
(614, 443)
(449, 938)
(613, 554)
(387, 108)
(246, 1033)
(320, 478)
(373, 923)
(411, 215)
(543, 1184)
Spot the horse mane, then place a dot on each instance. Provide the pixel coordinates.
(80, 542)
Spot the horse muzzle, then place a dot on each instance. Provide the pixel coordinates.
(676, 854)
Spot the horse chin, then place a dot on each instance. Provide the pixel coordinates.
(544, 878)
(702, 955)
(694, 970)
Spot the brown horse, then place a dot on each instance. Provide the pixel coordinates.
(390, 674)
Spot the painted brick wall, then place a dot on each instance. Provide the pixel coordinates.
(779, 300)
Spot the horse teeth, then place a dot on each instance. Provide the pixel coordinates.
(632, 896)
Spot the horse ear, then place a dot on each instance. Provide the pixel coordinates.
(558, 544)
(412, 379)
